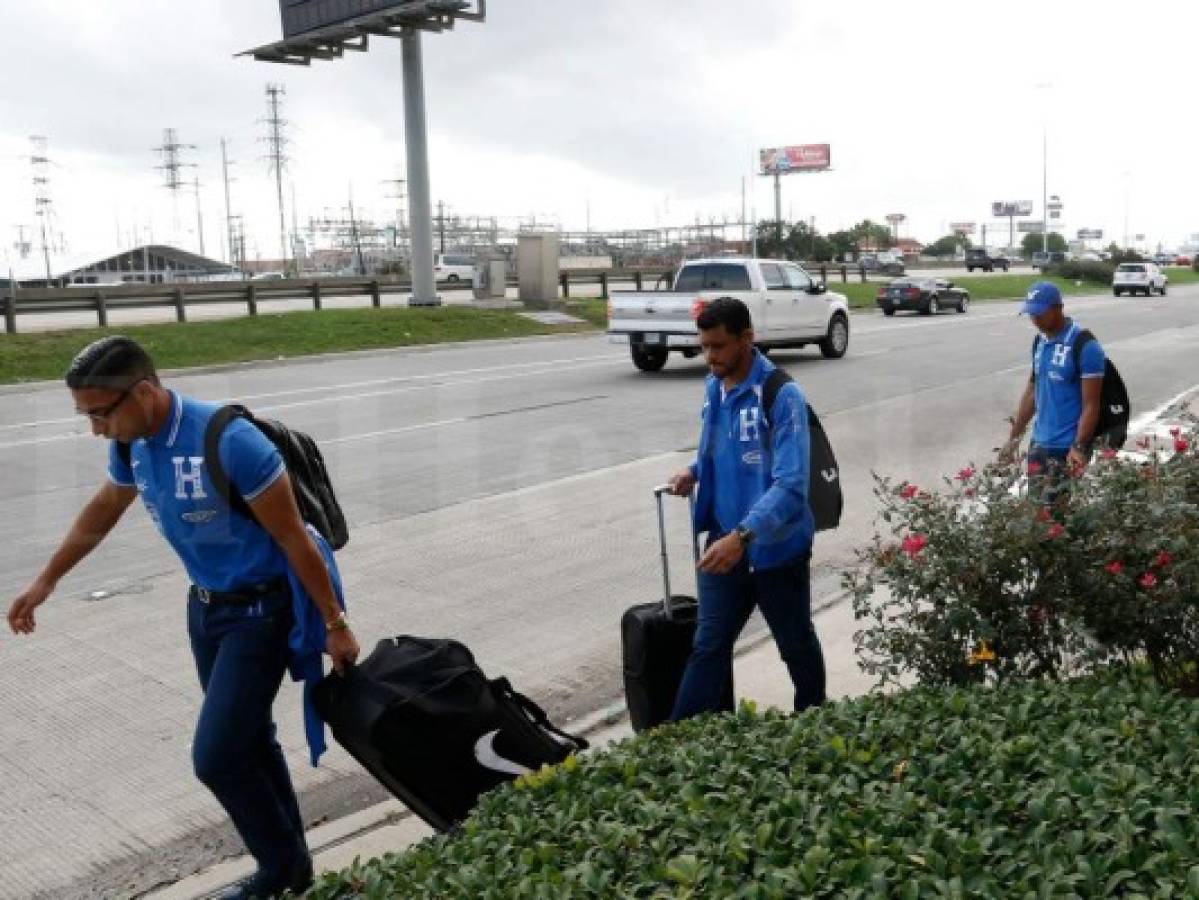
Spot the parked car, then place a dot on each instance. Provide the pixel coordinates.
(1043, 260)
(884, 263)
(928, 296)
(453, 267)
(1183, 260)
(787, 306)
(1139, 277)
(979, 258)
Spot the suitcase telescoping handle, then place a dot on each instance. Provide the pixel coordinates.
(658, 492)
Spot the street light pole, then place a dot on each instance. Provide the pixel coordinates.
(1045, 189)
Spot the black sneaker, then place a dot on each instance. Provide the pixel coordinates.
(263, 885)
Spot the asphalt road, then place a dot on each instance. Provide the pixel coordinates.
(497, 493)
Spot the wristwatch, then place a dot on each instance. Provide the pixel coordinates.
(744, 535)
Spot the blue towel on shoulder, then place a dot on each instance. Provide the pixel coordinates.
(307, 644)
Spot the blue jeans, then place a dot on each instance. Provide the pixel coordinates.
(1052, 476)
(725, 604)
(241, 654)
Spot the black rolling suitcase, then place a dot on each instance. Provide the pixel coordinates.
(656, 641)
(420, 716)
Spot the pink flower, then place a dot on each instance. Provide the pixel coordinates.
(909, 491)
(1162, 560)
(1115, 567)
(1034, 467)
(969, 492)
(1043, 515)
(1175, 431)
(965, 474)
(1143, 442)
(1181, 445)
(1147, 580)
(913, 544)
(1108, 453)
(1054, 531)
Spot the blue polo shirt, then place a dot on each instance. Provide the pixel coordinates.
(221, 550)
(1058, 385)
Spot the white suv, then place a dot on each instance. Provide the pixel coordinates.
(1135, 277)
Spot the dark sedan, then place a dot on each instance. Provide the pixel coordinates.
(924, 295)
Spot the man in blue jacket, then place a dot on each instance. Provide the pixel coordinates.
(751, 471)
(240, 607)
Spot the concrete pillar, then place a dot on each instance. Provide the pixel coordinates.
(420, 212)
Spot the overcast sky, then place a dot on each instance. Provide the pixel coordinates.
(631, 114)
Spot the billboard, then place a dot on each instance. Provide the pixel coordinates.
(302, 16)
(799, 158)
(1030, 227)
(1002, 210)
(1090, 234)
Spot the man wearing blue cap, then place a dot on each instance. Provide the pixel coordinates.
(1062, 393)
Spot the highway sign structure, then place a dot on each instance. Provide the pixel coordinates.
(797, 158)
(326, 29)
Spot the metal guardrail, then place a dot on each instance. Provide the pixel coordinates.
(104, 299)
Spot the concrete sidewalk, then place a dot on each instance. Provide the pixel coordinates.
(389, 827)
(760, 676)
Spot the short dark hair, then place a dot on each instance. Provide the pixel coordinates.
(727, 311)
(113, 363)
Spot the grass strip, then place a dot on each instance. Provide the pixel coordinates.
(46, 355)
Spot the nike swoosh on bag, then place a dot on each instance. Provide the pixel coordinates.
(489, 759)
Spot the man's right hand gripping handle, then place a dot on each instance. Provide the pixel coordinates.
(681, 483)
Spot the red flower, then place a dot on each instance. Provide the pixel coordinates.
(969, 492)
(909, 491)
(965, 474)
(1108, 453)
(1162, 560)
(1034, 467)
(1175, 431)
(1043, 514)
(1143, 442)
(1147, 580)
(913, 544)
(1055, 531)
(1181, 445)
(1115, 567)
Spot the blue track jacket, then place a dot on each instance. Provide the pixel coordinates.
(761, 465)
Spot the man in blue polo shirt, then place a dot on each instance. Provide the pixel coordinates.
(240, 608)
(1062, 393)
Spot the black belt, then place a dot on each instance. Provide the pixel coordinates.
(249, 594)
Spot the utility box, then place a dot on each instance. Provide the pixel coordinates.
(537, 269)
(490, 281)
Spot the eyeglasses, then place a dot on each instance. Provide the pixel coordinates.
(99, 415)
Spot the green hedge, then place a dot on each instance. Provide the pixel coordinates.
(1073, 789)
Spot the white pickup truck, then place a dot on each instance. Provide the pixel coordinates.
(788, 307)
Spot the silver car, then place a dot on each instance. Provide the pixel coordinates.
(1139, 277)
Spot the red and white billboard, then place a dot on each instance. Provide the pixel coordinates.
(799, 158)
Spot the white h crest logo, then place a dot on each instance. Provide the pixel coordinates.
(194, 477)
(749, 424)
(1060, 353)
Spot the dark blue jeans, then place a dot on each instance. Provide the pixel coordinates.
(241, 654)
(1051, 477)
(725, 604)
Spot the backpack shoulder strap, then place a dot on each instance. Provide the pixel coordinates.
(125, 451)
(212, 456)
(1082, 337)
(770, 390)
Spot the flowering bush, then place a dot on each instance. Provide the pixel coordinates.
(984, 581)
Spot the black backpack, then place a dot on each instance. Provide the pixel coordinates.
(824, 475)
(1114, 407)
(305, 467)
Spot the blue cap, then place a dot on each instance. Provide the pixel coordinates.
(1041, 297)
